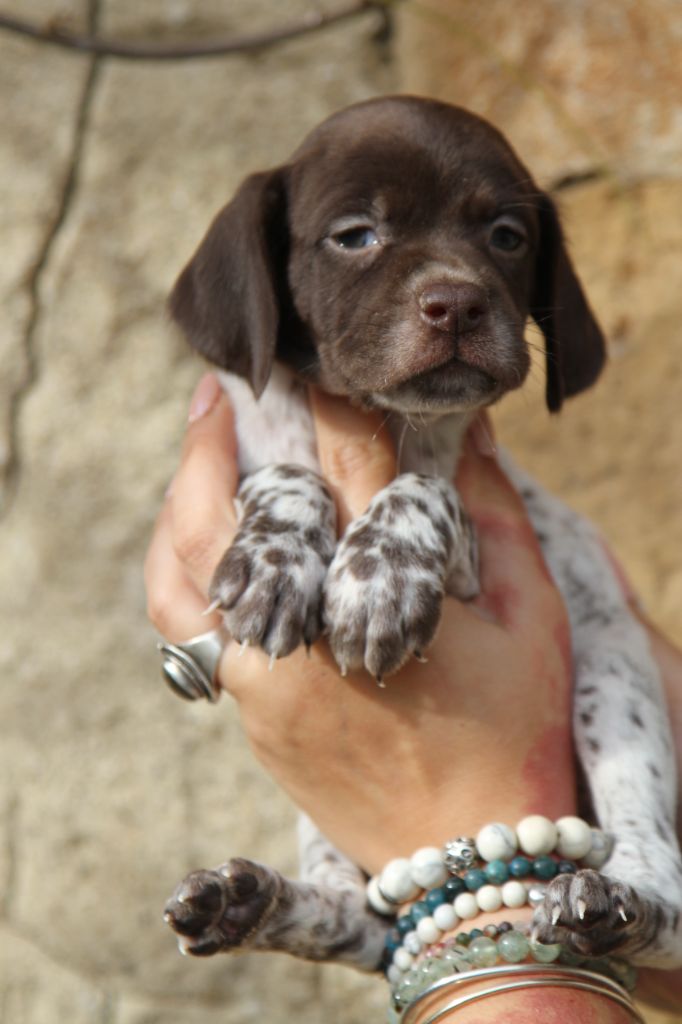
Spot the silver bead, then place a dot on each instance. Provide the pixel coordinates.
(536, 894)
(459, 854)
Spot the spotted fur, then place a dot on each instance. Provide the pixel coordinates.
(269, 582)
(385, 585)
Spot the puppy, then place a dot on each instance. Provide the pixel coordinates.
(395, 260)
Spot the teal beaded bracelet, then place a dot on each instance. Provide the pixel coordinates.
(460, 898)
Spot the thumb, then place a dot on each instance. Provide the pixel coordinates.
(356, 455)
(515, 583)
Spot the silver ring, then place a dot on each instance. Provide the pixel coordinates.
(191, 669)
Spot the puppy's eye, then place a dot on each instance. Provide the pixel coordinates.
(507, 238)
(361, 237)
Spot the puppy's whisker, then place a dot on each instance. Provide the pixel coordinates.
(401, 443)
(381, 425)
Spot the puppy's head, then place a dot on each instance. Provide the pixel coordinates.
(395, 259)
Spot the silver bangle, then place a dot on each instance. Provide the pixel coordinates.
(532, 976)
(191, 669)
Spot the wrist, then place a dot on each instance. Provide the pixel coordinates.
(550, 1004)
(467, 907)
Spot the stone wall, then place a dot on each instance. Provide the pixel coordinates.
(110, 789)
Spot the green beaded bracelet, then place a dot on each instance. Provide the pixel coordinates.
(508, 945)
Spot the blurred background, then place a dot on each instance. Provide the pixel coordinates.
(110, 171)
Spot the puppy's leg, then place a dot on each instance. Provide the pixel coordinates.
(246, 906)
(623, 739)
(269, 582)
(384, 588)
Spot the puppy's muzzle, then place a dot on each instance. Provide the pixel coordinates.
(453, 308)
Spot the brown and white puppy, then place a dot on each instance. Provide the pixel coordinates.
(395, 259)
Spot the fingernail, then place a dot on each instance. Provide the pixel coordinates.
(482, 437)
(204, 398)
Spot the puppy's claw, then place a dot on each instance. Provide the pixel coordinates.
(420, 658)
(380, 682)
(212, 607)
(622, 913)
(582, 907)
(271, 663)
(242, 647)
(556, 914)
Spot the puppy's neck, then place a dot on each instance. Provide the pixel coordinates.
(430, 446)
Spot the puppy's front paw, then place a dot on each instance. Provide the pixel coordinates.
(269, 583)
(385, 586)
(214, 911)
(590, 914)
(377, 622)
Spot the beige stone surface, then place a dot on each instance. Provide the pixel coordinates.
(37, 142)
(109, 789)
(577, 86)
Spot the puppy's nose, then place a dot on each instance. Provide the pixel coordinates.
(453, 307)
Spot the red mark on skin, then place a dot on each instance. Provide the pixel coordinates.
(547, 1006)
(500, 600)
(509, 551)
(548, 772)
(511, 530)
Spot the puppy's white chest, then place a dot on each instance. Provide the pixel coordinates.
(277, 427)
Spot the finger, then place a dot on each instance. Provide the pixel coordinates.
(515, 582)
(203, 517)
(356, 453)
(174, 605)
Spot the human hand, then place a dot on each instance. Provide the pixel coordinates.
(481, 732)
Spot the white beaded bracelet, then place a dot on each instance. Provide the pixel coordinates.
(403, 878)
(447, 916)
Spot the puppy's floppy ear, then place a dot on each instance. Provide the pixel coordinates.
(574, 343)
(227, 298)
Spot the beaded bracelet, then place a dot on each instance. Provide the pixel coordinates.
(403, 879)
(502, 943)
(460, 899)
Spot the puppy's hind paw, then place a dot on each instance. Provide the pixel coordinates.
(216, 911)
(590, 914)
